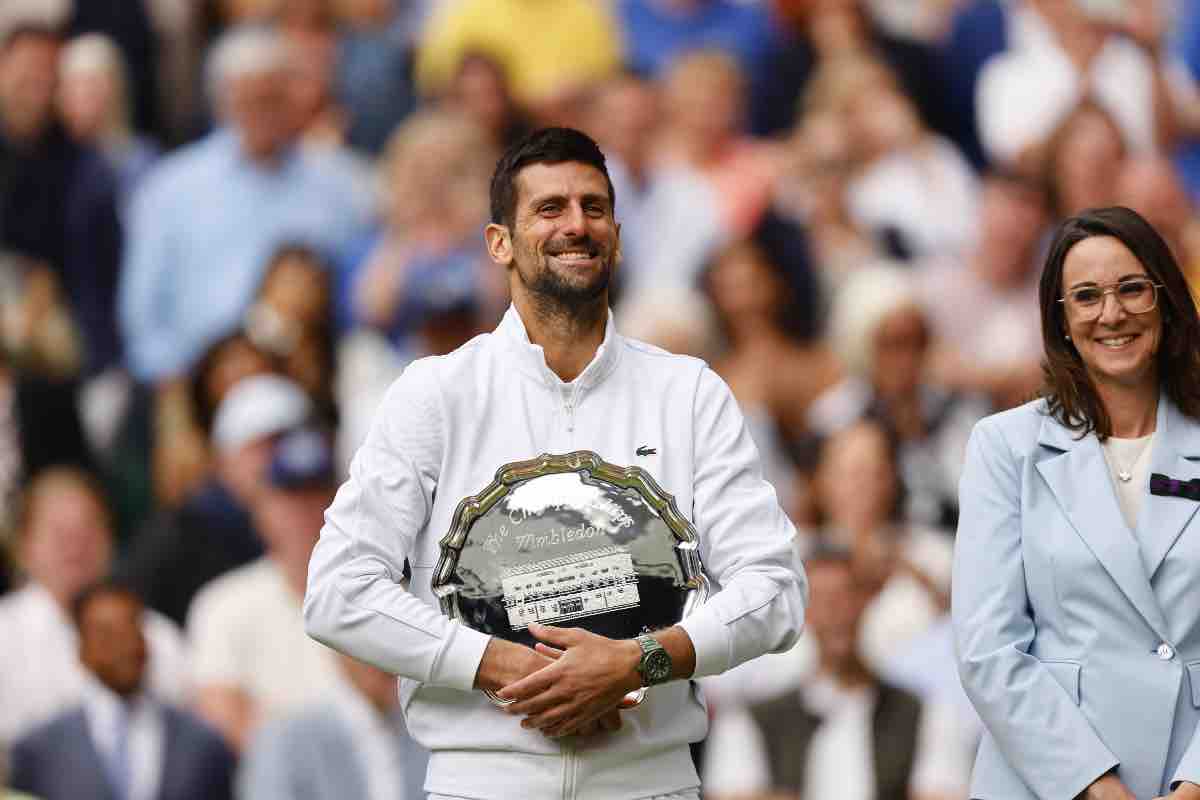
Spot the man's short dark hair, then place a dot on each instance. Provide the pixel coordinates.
(101, 588)
(543, 146)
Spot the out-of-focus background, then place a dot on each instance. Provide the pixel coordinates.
(227, 225)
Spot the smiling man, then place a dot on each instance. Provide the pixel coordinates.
(554, 377)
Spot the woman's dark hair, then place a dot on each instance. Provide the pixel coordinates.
(1070, 394)
(204, 406)
(543, 146)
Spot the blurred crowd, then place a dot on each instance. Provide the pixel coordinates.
(227, 225)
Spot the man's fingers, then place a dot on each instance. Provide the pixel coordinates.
(561, 638)
(548, 651)
(555, 717)
(532, 684)
(538, 704)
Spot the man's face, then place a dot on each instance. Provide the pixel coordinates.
(290, 520)
(260, 108)
(564, 242)
(111, 643)
(67, 543)
(836, 604)
(28, 81)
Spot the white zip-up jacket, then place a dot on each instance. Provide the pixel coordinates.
(442, 430)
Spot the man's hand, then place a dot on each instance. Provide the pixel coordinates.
(507, 662)
(1184, 791)
(589, 677)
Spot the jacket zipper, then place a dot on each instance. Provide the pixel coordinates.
(570, 400)
(570, 762)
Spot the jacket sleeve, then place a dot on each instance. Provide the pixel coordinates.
(1036, 725)
(355, 602)
(747, 543)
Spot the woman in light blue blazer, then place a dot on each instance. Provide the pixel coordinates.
(1076, 590)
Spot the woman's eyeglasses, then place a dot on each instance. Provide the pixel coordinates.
(1135, 295)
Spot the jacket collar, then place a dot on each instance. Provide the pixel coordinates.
(531, 358)
(1184, 436)
(1078, 475)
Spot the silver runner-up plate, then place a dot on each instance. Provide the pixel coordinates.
(573, 541)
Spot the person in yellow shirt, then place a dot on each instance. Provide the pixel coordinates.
(548, 48)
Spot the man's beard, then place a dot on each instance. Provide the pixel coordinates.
(557, 290)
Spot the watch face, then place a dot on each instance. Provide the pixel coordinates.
(658, 667)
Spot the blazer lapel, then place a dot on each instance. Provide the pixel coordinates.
(174, 757)
(81, 733)
(1162, 519)
(1080, 480)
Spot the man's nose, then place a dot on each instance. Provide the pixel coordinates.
(574, 221)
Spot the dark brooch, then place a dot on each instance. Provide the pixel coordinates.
(1165, 486)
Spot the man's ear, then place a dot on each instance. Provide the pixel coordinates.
(617, 255)
(499, 244)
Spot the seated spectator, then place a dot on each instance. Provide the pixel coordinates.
(423, 283)
(313, 43)
(704, 105)
(96, 107)
(670, 216)
(821, 32)
(480, 91)
(121, 738)
(251, 658)
(434, 177)
(206, 221)
(812, 197)
(353, 744)
(577, 46)
(1061, 54)
(884, 340)
(846, 732)
(1081, 160)
(184, 549)
(656, 32)
(624, 117)
(705, 183)
(1151, 186)
(773, 378)
(58, 202)
(914, 181)
(983, 308)
(292, 319)
(374, 79)
(64, 543)
(858, 501)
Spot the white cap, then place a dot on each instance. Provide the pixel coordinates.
(257, 407)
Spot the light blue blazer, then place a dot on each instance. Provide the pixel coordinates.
(1078, 640)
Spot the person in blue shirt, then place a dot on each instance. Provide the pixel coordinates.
(203, 226)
